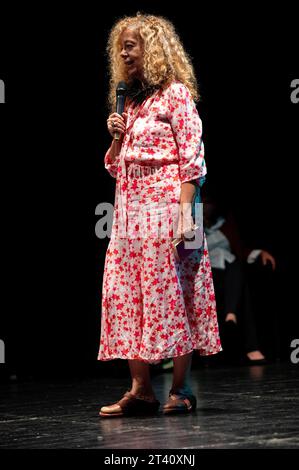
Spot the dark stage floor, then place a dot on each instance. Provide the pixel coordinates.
(244, 407)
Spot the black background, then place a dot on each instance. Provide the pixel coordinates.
(53, 140)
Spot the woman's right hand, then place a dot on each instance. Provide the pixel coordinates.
(117, 123)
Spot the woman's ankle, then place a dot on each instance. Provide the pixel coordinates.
(181, 390)
(146, 393)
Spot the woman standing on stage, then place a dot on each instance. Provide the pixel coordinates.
(154, 306)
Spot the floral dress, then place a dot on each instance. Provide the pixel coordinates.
(155, 306)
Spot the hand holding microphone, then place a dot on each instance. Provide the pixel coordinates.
(117, 125)
(117, 121)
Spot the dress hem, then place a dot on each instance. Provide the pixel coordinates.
(157, 359)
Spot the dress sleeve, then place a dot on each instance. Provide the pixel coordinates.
(110, 166)
(187, 129)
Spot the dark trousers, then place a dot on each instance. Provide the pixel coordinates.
(233, 296)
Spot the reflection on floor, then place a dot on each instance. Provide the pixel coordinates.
(238, 407)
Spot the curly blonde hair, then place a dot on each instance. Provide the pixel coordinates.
(164, 58)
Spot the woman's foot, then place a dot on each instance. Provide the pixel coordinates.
(255, 355)
(179, 404)
(130, 405)
(231, 317)
(255, 358)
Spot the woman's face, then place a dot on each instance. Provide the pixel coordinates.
(132, 53)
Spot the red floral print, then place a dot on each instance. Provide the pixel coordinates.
(153, 306)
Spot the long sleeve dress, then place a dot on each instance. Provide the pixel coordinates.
(154, 306)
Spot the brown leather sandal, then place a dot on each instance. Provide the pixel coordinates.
(130, 405)
(178, 403)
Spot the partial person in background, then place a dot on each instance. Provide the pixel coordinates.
(228, 257)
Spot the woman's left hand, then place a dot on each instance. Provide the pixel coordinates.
(186, 223)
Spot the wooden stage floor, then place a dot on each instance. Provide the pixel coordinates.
(238, 407)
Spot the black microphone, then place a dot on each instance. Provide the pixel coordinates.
(121, 91)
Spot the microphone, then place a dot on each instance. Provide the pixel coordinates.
(121, 91)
